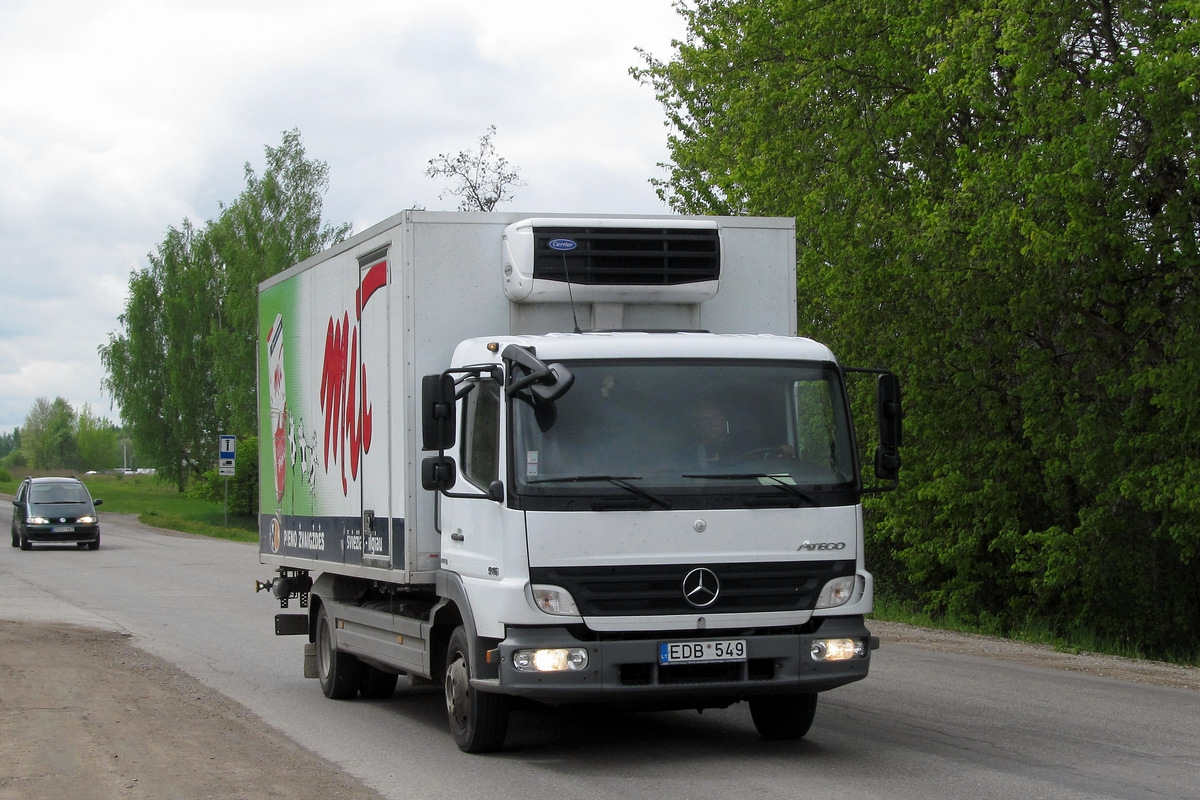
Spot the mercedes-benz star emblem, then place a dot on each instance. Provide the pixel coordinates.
(701, 587)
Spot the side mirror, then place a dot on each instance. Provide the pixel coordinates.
(888, 410)
(438, 473)
(887, 463)
(97, 502)
(437, 412)
(547, 381)
(890, 413)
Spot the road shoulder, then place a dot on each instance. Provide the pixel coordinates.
(85, 714)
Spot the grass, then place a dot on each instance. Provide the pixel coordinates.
(1074, 640)
(159, 504)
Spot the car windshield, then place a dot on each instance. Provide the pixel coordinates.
(672, 428)
(58, 493)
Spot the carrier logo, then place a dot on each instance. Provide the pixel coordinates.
(701, 587)
(821, 546)
(561, 244)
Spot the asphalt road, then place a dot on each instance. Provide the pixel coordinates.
(924, 724)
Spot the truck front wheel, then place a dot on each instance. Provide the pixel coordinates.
(340, 673)
(478, 720)
(783, 716)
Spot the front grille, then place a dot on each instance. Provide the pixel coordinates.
(628, 256)
(639, 590)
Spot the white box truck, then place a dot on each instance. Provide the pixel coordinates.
(571, 459)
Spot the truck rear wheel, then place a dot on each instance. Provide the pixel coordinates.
(786, 716)
(340, 673)
(478, 720)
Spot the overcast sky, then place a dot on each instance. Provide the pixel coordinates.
(121, 118)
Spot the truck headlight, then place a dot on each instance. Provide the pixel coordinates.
(556, 659)
(838, 649)
(555, 600)
(836, 593)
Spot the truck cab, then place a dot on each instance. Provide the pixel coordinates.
(670, 519)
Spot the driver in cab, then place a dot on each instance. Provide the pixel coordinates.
(717, 444)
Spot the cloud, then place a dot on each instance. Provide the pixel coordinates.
(120, 119)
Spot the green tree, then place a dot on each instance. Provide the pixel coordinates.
(182, 366)
(159, 366)
(1001, 200)
(96, 439)
(49, 435)
(274, 224)
(10, 442)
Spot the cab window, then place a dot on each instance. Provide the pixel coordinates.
(481, 433)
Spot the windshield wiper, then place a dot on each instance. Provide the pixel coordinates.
(776, 480)
(616, 480)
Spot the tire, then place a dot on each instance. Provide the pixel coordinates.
(16, 542)
(376, 684)
(783, 717)
(94, 545)
(478, 720)
(25, 543)
(339, 673)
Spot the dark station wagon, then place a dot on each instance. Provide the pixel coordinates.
(55, 511)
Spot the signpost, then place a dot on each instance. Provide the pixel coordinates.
(227, 455)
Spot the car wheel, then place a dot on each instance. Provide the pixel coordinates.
(25, 543)
(14, 535)
(478, 720)
(94, 545)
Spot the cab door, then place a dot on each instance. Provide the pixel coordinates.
(472, 541)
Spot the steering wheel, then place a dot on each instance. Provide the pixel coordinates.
(760, 454)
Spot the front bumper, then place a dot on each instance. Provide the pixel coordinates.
(77, 534)
(626, 671)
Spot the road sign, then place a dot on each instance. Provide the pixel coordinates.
(227, 449)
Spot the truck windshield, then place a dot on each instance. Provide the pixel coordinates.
(661, 432)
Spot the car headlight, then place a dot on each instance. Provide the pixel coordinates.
(86, 520)
(37, 520)
(838, 649)
(554, 659)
